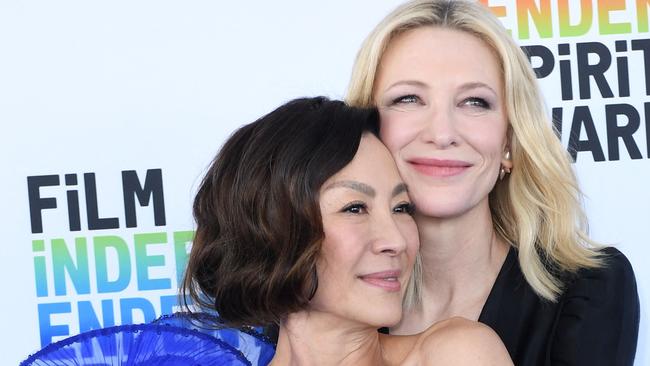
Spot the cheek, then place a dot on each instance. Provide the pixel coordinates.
(413, 242)
(336, 267)
(497, 146)
(340, 250)
(327, 271)
(396, 131)
(487, 139)
(409, 231)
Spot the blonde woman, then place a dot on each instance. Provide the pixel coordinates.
(503, 235)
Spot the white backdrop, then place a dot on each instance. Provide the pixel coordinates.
(105, 87)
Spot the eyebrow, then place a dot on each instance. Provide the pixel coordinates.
(477, 84)
(417, 83)
(357, 186)
(400, 188)
(407, 82)
(364, 188)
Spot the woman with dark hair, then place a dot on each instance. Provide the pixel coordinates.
(304, 222)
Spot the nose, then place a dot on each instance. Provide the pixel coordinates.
(389, 236)
(439, 129)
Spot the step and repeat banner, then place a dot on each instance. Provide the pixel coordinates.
(112, 110)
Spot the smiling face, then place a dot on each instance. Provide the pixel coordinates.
(370, 239)
(440, 96)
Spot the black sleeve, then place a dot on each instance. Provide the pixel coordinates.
(599, 318)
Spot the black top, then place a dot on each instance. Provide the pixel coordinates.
(594, 322)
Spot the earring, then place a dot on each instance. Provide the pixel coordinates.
(503, 171)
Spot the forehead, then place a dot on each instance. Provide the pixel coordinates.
(436, 52)
(371, 164)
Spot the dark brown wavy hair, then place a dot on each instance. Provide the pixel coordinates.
(259, 226)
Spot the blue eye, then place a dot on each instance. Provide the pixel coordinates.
(406, 99)
(476, 102)
(356, 208)
(405, 207)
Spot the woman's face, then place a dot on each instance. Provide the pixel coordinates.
(370, 239)
(440, 97)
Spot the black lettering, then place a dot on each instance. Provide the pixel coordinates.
(597, 70)
(74, 218)
(625, 132)
(582, 117)
(153, 187)
(548, 61)
(622, 70)
(36, 202)
(94, 221)
(644, 45)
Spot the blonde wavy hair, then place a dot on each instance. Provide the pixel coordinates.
(538, 208)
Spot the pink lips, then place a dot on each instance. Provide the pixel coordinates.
(439, 168)
(387, 280)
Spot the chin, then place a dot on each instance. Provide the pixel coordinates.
(389, 322)
(440, 210)
(442, 197)
(446, 205)
(383, 315)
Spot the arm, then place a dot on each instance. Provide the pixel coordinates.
(598, 323)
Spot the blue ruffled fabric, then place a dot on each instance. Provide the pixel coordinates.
(178, 340)
(251, 342)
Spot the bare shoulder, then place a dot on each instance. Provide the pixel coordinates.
(458, 341)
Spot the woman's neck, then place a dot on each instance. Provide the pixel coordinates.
(461, 258)
(316, 338)
(458, 246)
